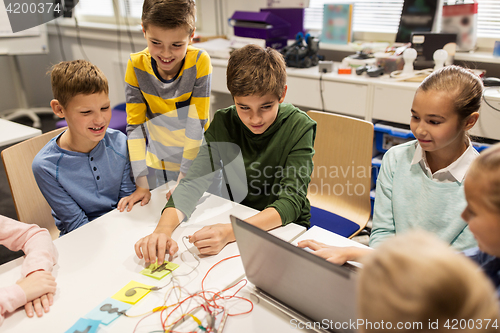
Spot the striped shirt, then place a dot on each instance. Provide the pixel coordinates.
(171, 114)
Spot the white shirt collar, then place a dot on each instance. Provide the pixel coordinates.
(454, 172)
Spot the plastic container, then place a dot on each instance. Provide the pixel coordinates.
(376, 163)
(480, 146)
(387, 136)
(389, 62)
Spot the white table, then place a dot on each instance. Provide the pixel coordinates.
(98, 259)
(12, 132)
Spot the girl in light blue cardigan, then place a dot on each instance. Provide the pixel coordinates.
(420, 184)
(482, 215)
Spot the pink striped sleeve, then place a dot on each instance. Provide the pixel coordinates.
(11, 298)
(36, 243)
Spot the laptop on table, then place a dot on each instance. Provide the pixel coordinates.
(320, 294)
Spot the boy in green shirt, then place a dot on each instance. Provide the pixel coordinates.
(276, 143)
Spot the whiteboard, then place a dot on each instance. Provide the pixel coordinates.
(29, 41)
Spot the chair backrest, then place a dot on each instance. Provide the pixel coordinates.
(31, 206)
(341, 179)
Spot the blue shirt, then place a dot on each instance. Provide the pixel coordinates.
(80, 187)
(489, 264)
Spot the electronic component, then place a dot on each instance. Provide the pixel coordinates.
(361, 69)
(491, 81)
(326, 66)
(371, 71)
(303, 53)
(375, 71)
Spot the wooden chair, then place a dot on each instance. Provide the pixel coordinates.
(339, 191)
(31, 206)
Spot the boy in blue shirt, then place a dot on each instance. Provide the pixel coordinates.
(84, 172)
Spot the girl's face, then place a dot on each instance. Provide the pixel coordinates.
(483, 221)
(435, 123)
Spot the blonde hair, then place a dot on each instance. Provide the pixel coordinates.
(465, 86)
(169, 14)
(417, 278)
(70, 78)
(487, 163)
(253, 70)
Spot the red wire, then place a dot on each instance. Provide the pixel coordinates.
(211, 302)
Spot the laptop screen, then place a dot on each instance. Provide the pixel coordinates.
(315, 288)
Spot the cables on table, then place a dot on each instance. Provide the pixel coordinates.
(211, 304)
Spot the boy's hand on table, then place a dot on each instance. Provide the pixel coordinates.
(333, 254)
(212, 239)
(39, 287)
(153, 247)
(169, 193)
(140, 194)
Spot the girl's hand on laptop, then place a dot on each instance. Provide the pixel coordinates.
(211, 239)
(140, 194)
(154, 247)
(333, 254)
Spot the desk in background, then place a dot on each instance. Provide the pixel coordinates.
(357, 96)
(12, 132)
(98, 259)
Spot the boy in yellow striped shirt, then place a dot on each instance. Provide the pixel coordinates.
(167, 93)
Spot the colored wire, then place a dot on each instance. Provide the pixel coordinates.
(79, 39)
(484, 99)
(207, 301)
(400, 76)
(59, 37)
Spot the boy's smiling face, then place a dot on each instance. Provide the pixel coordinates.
(168, 47)
(88, 117)
(258, 112)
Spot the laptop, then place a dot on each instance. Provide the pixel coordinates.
(312, 290)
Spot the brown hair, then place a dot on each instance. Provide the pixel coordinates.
(70, 78)
(417, 278)
(466, 87)
(488, 162)
(169, 14)
(253, 70)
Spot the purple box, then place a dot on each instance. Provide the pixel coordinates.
(294, 16)
(263, 25)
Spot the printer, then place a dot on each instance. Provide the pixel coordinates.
(261, 25)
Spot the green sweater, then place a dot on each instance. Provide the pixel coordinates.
(272, 169)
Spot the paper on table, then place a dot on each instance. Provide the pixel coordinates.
(161, 274)
(139, 292)
(216, 48)
(112, 311)
(84, 325)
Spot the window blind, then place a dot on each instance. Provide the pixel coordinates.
(488, 18)
(102, 8)
(368, 15)
(383, 16)
(131, 8)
